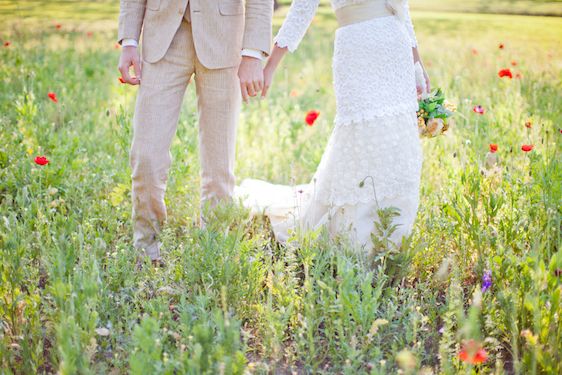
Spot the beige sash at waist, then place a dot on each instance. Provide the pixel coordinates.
(356, 13)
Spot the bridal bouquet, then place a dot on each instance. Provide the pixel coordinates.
(434, 115)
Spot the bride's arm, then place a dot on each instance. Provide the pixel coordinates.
(296, 23)
(413, 39)
(409, 24)
(289, 36)
(417, 59)
(272, 63)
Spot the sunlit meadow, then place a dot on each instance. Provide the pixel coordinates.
(475, 290)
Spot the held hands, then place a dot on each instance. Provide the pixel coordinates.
(265, 76)
(130, 57)
(251, 77)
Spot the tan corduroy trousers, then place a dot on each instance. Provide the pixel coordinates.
(157, 111)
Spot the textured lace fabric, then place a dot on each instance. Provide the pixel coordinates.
(366, 166)
(380, 158)
(297, 22)
(373, 70)
(373, 64)
(373, 158)
(302, 12)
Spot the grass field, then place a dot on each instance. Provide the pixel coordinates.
(229, 299)
(529, 7)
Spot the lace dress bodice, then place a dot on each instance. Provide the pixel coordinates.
(302, 12)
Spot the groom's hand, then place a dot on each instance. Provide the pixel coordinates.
(130, 57)
(251, 77)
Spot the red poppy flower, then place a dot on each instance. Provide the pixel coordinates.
(473, 353)
(505, 73)
(311, 117)
(121, 79)
(479, 357)
(7, 44)
(527, 148)
(528, 124)
(89, 34)
(518, 76)
(58, 26)
(53, 97)
(479, 109)
(493, 148)
(514, 63)
(41, 160)
(474, 51)
(501, 46)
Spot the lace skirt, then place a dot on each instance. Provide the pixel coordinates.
(373, 158)
(373, 69)
(366, 166)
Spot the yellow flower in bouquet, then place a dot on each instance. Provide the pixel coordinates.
(434, 127)
(452, 107)
(434, 114)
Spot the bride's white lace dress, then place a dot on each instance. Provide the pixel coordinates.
(373, 158)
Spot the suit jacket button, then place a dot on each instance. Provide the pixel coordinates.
(180, 11)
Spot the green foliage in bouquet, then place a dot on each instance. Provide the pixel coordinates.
(434, 106)
(434, 114)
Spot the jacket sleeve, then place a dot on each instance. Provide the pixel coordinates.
(257, 30)
(296, 23)
(131, 16)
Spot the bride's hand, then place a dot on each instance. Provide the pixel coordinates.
(272, 63)
(268, 72)
(419, 82)
(422, 79)
(426, 78)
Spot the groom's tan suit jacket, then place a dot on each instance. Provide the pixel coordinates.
(182, 39)
(221, 28)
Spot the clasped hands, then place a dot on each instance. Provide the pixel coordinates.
(254, 79)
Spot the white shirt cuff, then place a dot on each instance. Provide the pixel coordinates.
(253, 53)
(129, 43)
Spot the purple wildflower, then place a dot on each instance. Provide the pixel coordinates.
(486, 281)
